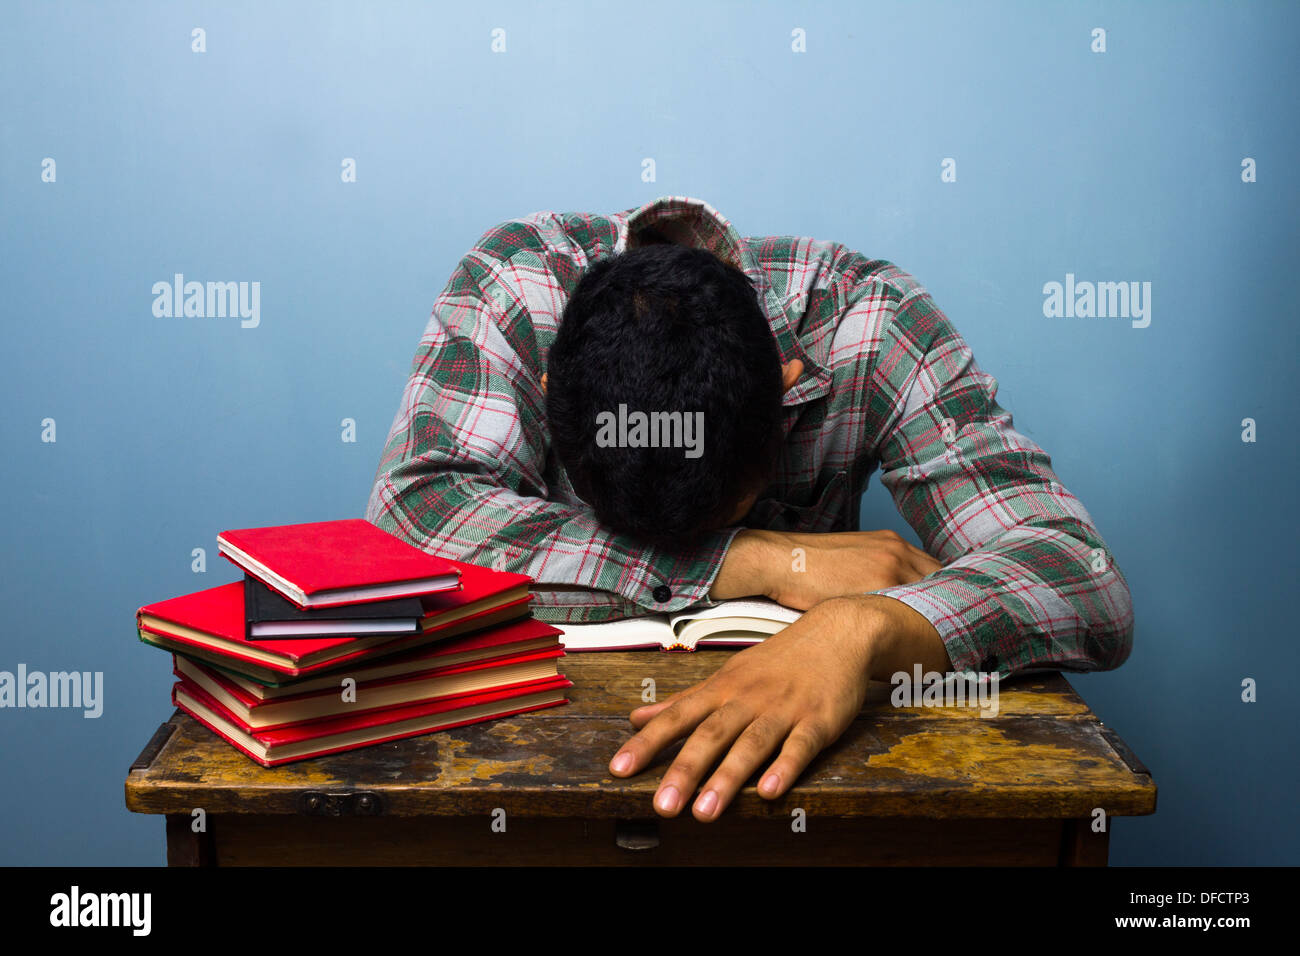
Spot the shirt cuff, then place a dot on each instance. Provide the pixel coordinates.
(932, 598)
(672, 581)
(659, 581)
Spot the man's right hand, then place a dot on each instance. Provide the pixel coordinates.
(802, 570)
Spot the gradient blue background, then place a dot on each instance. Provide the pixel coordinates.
(225, 166)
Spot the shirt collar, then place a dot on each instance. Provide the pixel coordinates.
(694, 223)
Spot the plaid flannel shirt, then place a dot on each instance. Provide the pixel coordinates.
(468, 471)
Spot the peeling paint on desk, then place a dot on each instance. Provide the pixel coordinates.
(459, 767)
(984, 755)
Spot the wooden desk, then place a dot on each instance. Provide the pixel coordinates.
(901, 786)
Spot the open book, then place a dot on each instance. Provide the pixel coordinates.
(729, 624)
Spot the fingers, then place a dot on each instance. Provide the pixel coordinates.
(925, 565)
(643, 715)
(746, 739)
(678, 717)
(760, 738)
(805, 741)
(914, 554)
(700, 752)
(923, 559)
(909, 555)
(902, 564)
(919, 562)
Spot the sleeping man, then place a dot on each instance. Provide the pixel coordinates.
(801, 367)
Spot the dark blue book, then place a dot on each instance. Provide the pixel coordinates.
(270, 616)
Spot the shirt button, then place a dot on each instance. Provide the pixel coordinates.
(662, 593)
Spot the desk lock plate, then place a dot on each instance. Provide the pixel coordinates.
(340, 803)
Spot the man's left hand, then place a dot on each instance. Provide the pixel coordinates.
(797, 691)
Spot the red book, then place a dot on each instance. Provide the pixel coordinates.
(210, 625)
(460, 680)
(328, 563)
(523, 636)
(273, 747)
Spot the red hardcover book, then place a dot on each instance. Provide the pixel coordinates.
(210, 625)
(273, 747)
(329, 563)
(523, 636)
(460, 680)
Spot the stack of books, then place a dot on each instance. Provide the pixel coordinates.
(341, 635)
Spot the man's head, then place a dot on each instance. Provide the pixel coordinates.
(677, 338)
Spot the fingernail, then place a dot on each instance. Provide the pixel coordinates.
(622, 763)
(707, 803)
(770, 783)
(667, 799)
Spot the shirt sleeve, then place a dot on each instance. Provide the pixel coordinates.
(463, 473)
(1027, 583)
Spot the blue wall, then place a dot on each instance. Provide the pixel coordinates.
(225, 165)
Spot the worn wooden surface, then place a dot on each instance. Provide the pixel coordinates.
(1045, 756)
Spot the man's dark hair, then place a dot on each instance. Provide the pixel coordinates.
(666, 328)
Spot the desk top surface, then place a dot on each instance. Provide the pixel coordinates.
(1045, 754)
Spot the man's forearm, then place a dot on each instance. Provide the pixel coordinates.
(746, 567)
(896, 635)
(903, 638)
(801, 570)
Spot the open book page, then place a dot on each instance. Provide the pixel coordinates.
(628, 634)
(727, 624)
(746, 621)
